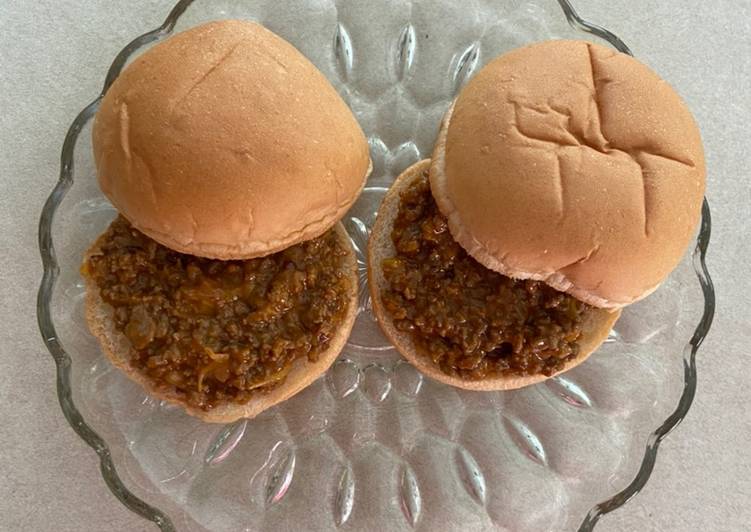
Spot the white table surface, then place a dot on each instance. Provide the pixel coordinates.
(52, 56)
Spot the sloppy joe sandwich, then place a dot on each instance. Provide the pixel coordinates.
(566, 183)
(227, 283)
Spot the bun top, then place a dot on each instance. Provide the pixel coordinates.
(224, 141)
(569, 162)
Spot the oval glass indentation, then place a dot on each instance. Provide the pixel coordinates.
(569, 391)
(343, 51)
(409, 496)
(407, 379)
(405, 51)
(378, 154)
(365, 208)
(225, 442)
(343, 378)
(358, 235)
(471, 475)
(94, 212)
(315, 424)
(280, 476)
(465, 66)
(404, 156)
(376, 383)
(345, 496)
(526, 440)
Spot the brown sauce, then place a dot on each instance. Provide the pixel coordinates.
(471, 321)
(217, 331)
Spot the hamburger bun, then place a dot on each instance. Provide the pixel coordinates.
(380, 246)
(99, 316)
(224, 141)
(574, 164)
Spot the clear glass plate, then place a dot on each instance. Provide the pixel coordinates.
(373, 444)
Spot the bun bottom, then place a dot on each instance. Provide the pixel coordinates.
(99, 316)
(380, 246)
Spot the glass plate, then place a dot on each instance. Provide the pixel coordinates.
(373, 444)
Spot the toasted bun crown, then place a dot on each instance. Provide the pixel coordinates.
(572, 163)
(380, 246)
(224, 141)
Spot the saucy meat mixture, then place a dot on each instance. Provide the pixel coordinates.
(218, 331)
(471, 321)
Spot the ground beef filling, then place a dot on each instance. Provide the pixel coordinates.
(471, 321)
(217, 331)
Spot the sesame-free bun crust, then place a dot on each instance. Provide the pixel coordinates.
(116, 347)
(224, 141)
(381, 246)
(571, 163)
